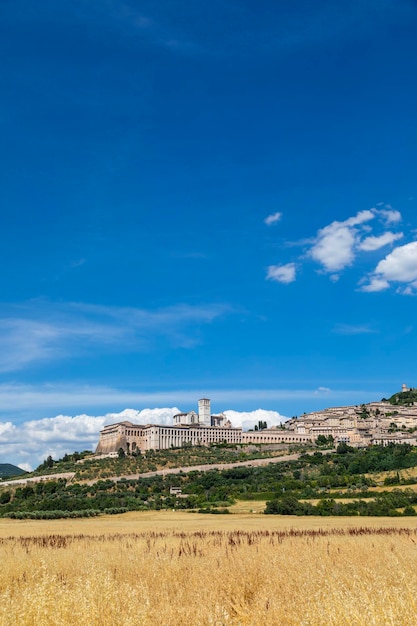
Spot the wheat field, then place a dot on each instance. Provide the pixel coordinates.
(178, 569)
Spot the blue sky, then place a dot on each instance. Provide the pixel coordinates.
(206, 198)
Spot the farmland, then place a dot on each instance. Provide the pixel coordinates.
(164, 567)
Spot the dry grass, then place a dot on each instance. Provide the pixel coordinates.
(248, 506)
(393, 488)
(379, 477)
(165, 521)
(194, 570)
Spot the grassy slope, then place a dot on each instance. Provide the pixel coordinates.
(92, 468)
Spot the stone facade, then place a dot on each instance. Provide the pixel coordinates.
(189, 429)
(140, 438)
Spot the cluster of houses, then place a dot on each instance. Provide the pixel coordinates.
(366, 424)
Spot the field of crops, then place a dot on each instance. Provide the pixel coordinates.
(165, 568)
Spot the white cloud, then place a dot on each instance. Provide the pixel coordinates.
(360, 218)
(400, 266)
(410, 290)
(248, 419)
(273, 218)
(337, 245)
(28, 444)
(375, 284)
(391, 216)
(44, 331)
(282, 273)
(334, 247)
(374, 243)
(27, 467)
(145, 416)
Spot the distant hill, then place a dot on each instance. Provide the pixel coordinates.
(404, 398)
(7, 469)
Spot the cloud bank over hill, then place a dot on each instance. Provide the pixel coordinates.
(29, 443)
(248, 419)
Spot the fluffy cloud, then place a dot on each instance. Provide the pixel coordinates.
(375, 284)
(28, 444)
(337, 245)
(334, 247)
(282, 273)
(273, 218)
(400, 266)
(248, 419)
(145, 416)
(360, 218)
(390, 215)
(369, 244)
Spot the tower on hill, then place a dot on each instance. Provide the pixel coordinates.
(204, 412)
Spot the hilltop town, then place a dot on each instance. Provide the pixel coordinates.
(392, 420)
(389, 420)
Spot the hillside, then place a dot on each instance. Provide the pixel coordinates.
(7, 470)
(376, 481)
(404, 398)
(89, 467)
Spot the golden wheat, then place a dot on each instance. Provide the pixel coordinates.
(349, 575)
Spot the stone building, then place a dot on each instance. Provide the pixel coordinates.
(191, 428)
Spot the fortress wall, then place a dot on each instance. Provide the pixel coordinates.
(111, 444)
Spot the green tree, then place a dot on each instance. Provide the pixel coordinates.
(5, 497)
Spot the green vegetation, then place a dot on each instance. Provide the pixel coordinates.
(67, 461)
(387, 504)
(315, 484)
(323, 441)
(88, 467)
(404, 398)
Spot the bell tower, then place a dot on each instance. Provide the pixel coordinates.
(204, 412)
